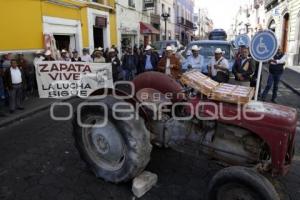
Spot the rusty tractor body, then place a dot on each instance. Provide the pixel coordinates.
(256, 139)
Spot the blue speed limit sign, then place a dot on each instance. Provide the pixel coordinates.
(242, 40)
(264, 46)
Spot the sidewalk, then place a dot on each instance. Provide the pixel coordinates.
(291, 78)
(32, 106)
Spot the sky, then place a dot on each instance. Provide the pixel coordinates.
(221, 12)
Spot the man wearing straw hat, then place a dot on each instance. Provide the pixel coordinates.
(194, 61)
(218, 69)
(48, 56)
(170, 64)
(150, 60)
(98, 55)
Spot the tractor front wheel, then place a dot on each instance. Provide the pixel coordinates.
(116, 152)
(241, 183)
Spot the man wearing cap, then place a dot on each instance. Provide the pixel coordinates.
(98, 55)
(86, 56)
(218, 68)
(48, 56)
(242, 68)
(150, 60)
(170, 64)
(194, 61)
(75, 57)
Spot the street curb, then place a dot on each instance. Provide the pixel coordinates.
(287, 85)
(290, 87)
(24, 115)
(29, 113)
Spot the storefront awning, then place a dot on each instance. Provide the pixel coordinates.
(148, 29)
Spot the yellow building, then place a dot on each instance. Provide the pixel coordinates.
(30, 25)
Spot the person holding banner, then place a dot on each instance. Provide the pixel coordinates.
(115, 62)
(14, 81)
(48, 56)
(98, 56)
(75, 57)
(65, 56)
(86, 56)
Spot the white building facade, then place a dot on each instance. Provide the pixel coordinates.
(283, 17)
(135, 23)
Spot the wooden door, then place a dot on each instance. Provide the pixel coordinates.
(284, 42)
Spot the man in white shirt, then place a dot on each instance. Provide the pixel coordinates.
(14, 81)
(194, 61)
(219, 67)
(86, 56)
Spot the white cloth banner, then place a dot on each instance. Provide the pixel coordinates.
(60, 79)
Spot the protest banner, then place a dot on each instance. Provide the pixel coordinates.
(60, 79)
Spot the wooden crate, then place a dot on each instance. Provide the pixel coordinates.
(199, 82)
(232, 93)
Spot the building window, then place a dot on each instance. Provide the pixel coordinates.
(131, 3)
(104, 2)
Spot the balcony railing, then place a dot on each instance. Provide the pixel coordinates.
(184, 22)
(268, 3)
(103, 2)
(189, 24)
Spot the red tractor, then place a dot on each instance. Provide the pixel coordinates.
(159, 110)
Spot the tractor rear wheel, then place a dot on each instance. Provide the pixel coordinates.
(117, 152)
(241, 183)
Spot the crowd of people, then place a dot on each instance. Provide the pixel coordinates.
(17, 76)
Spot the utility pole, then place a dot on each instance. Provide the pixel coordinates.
(199, 23)
(165, 16)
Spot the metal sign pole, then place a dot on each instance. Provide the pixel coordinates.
(258, 80)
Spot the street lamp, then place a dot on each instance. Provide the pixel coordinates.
(165, 16)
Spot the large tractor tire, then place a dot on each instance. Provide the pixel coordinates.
(117, 152)
(241, 183)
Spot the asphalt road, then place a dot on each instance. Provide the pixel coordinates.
(39, 161)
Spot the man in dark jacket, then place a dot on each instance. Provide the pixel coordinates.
(115, 63)
(129, 64)
(242, 68)
(276, 68)
(150, 60)
(14, 81)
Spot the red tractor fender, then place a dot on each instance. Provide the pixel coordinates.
(276, 126)
(158, 81)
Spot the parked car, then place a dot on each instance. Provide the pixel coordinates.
(207, 49)
(217, 34)
(161, 45)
